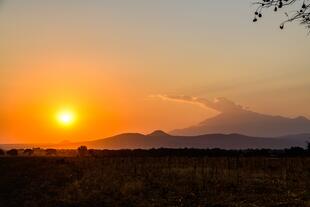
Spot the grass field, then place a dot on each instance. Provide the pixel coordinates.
(150, 181)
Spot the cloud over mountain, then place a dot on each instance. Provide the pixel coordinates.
(234, 118)
(220, 104)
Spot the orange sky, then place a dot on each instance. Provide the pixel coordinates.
(104, 105)
(105, 60)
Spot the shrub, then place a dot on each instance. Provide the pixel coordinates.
(28, 152)
(12, 152)
(50, 152)
(82, 151)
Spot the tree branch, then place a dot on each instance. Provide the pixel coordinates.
(302, 15)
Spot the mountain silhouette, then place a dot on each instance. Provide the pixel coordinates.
(248, 123)
(234, 118)
(159, 133)
(159, 139)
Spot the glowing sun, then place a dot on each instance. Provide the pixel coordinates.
(66, 118)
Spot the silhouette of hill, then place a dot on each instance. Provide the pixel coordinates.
(249, 123)
(159, 139)
(234, 118)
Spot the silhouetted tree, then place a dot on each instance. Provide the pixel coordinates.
(50, 152)
(295, 151)
(2, 152)
(82, 151)
(300, 14)
(28, 152)
(12, 152)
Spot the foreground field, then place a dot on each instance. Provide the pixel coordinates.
(150, 181)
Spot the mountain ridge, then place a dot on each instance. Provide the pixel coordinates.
(248, 123)
(225, 141)
(164, 140)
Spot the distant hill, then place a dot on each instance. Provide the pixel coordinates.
(235, 118)
(248, 123)
(159, 139)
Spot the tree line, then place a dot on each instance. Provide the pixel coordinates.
(82, 151)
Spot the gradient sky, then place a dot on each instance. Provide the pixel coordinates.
(107, 61)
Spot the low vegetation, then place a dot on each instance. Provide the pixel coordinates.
(162, 177)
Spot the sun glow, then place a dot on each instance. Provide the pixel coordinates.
(66, 117)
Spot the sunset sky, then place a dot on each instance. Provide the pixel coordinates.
(108, 62)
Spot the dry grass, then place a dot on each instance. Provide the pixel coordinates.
(161, 181)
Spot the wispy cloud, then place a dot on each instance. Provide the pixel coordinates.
(219, 104)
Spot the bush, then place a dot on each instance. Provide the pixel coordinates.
(28, 152)
(2, 152)
(50, 152)
(82, 151)
(12, 152)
